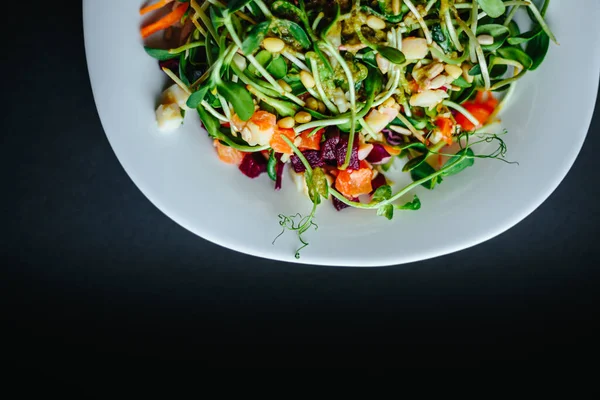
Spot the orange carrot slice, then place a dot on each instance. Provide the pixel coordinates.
(166, 21)
(154, 6)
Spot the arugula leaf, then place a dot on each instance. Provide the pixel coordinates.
(415, 146)
(182, 68)
(441, 38)
(196, 98)
(271, 166)
(211, 124)
(525, 37)
(414, 163)
(543, 9)
(499, 32)
(382, 193)
(394, 19)
(239, 97)
(458, 164)
(516, 54)
(255, 37)
(386, 211)
(264, 58)
(493, 8)
(413, 205)
(391, 54)
(236, 5)
(160, 54)
(536, 49)
(294, 30)
(283, 7)
(277, 67)
(424, 170)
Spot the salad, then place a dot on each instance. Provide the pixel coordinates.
(339, 90)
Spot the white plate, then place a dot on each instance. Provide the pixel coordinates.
(547, 122)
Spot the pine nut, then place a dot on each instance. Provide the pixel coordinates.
(453, 71)
(375, 23)
(390, 102)
(286, 123)
(307, 79)
(485, 40)
(312, 103)
(414, 48)
(435, 70)
(401, 130)
(438, 82)
(274, 45)
(382, 63)
(322, 107)
(284, 85)
(465, 74)
(302, 117)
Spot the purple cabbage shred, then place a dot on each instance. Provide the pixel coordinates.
(393, 138)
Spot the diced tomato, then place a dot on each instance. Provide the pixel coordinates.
(277, 142)
(310, 142)
(480, 111)
(228, 154)
(354, 183)
(481, 108)
(225, 124)
(480, 97)
(445, 125)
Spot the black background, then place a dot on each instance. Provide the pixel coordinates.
(89, 263)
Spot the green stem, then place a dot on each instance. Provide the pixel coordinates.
(454, 61)
(542, 22)
(511, 15)
(214, 112)
(463, 111)
(185, 47)
(420, 20)
(478, 51)
(348, 73)
(253, 61)
(208, 23)
(447, 20)
(317, 76)
(247, 80)
(263, 7)
(321, 123)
